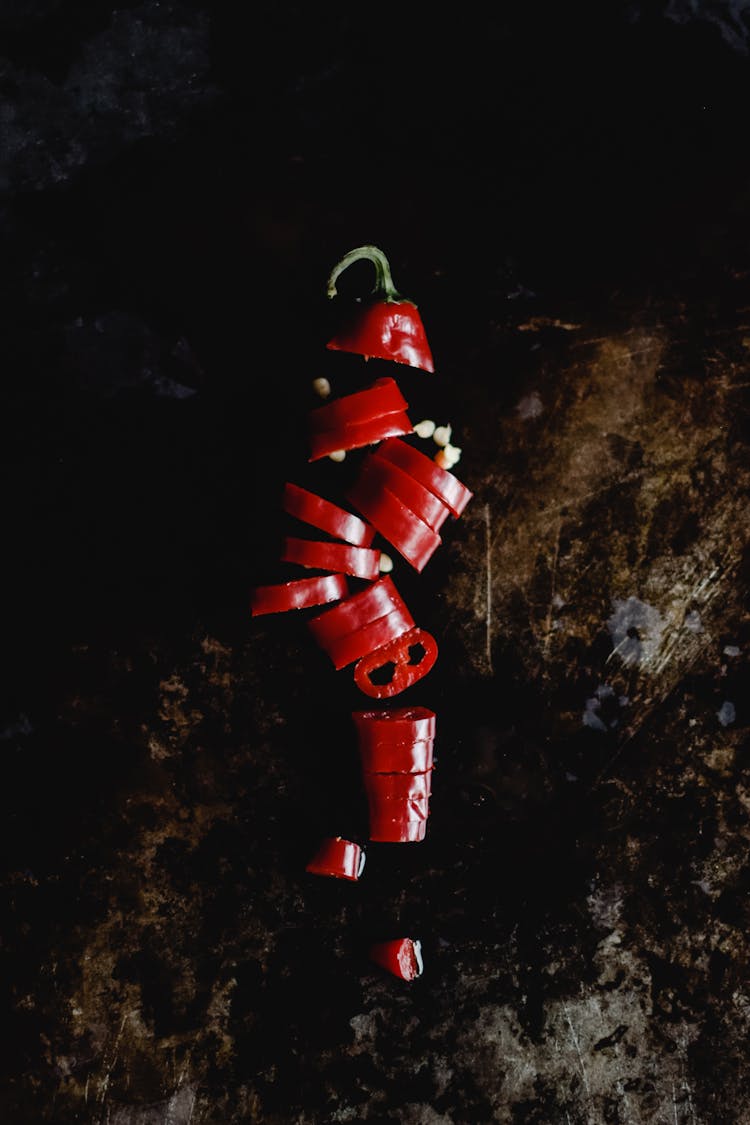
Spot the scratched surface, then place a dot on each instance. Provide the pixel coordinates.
(582, 263)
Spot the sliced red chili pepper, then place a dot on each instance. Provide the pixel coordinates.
(338, 858)
(300, 594)
(408, 667)
(376, 600)
(355, 435)
(411, 536)
(326, 516)
(365, 640)
(398, 786)
(387, 326)
(415, 758)
(397, 812)
(360, 562)
(386, 831)
(381, 724)
(376, 473)
(442, 483)
(382, 397)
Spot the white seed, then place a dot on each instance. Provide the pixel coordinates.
(337, 455)
(442, 435)
(425, 429)
(441, 460)
(386, 563)
(453, 453)
(322, 387)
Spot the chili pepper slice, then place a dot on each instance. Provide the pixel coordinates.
(368, 638)
(382, 397)
(442, 483)
(360, 562)
(355, 435)
(412, 537)
(300, 594)
(381, 724)
(386, 326)
(383, 830)
(376, 473)
(386, 759)
(398, 807)
(408, 667)
(326, 516)
(338, 858)
(376, 600)
(398, 786)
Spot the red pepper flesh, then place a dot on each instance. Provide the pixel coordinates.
(398, 786)
(326, 516)
(376, 600)
(300, 594)
(376, 473)
(369, 638)
(355, 435)
(416, 758)
(383, 397)
(383, 830)
(407, 669)
(338, 858)
(440, 482)
(360, 562)
(412, 537)
(402, 957)
(382, 724)
(386, 326)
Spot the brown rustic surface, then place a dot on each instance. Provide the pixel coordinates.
(170, 763)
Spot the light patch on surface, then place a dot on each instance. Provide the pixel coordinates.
(727, 713)
(530, 406)
(637, 630)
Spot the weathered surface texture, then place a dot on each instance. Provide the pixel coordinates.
(579, 252)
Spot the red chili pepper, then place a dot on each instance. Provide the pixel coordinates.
(407, 670)
(398, 786)
(360, 562)
(326, 516)
(338, 858)
(355, 435)
(382, 397)
(383, 830)
(300, 594)
(440, 482)
(365, 640)
(402, 957)
(412, 537)
(375, 473)
(395, 725)
(375, 601)
(414, 758)
(387, 325)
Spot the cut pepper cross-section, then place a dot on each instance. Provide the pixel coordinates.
(338, 859)
(402, 957)
(363, 623)
(326, 516)
(401, 663)
(404, 529)
(363, 418)
(360, 562)
(440, 482)
(300, 594)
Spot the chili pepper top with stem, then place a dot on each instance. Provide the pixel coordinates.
(386, 325)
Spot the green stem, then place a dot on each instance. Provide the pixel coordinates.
(383, 281)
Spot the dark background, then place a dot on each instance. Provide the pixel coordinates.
(176, 181)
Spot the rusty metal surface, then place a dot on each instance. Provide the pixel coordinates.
(171, 763)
